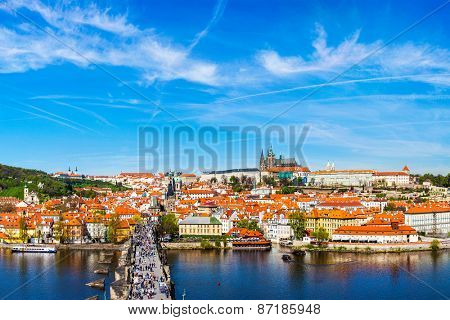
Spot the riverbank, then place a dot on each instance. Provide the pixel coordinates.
(76, 246)
(371, 247)
(197, 245)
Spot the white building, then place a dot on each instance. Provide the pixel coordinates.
(374, 203)
(198, 193)
(228, 221)
(277, 228)
(375, 234)
(261, 191)
(395, 178)
(96, 229)
(439, 193)
(330, 177)
(429, 219)
(30, 197)
(306, 204)
(254, 174)
(188, 178)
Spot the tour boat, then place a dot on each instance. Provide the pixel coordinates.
(37, 249)
(259, 244)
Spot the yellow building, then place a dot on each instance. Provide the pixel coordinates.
(125, 229)
(200, 226)
(331, 219)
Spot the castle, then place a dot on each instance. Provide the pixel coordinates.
(271, 161)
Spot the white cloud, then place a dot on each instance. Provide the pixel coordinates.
(27, 47)
(69, 17)
(218, 12)
(392, 60)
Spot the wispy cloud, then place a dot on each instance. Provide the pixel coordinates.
(218, 12)
(86, 111)
(411, 77)
(383, 146)
(26, 47)
(49, 118)
(62, 18)
(393, 60)
(59, 118)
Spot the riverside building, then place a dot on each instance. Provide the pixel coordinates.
(393, 233)
(200, 226)
(432, 218)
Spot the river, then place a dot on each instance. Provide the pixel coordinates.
(44, 276)
(202, 274)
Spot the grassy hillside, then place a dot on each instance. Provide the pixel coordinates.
(13, 180)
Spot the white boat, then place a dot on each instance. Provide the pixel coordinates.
(38, 249)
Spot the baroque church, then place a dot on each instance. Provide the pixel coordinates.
(271, 161)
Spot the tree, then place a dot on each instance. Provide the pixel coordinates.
(284, 182)
(248, 224)
(321, 234)
(269, 181)
(112, 228)
(235, 184)
(234, 180)
(23, 230)
(58, 230)
(390, 207)
(137, 218)
(287, 190)
(297, 221)
(169, 224)
(435, 245)
(438, 180)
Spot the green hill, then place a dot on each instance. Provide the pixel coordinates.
(13, 180)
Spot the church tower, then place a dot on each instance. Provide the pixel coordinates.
(270, 158)
(262, 162)
(25, 192)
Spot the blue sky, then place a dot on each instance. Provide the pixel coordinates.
(78, 80)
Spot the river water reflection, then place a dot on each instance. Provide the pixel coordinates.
(263, 275)
(240, 275)
(50, 276)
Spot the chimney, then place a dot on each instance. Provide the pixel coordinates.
(394, 225)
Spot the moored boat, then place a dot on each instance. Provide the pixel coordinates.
(252, 245)
(299, 252)
(242, 238)
(97, 284)
(36, 249)
(287, 258)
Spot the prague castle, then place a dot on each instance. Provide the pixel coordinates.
(271, 161)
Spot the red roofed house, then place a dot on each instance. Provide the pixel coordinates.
(370, 233)
(430, 218)
(126, 212)
(389, 179)
(73, 231)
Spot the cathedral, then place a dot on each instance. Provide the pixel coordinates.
(271, 161)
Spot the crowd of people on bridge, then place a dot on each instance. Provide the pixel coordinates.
(146, 273)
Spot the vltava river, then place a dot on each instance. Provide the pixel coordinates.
(50, 276)
(240, 275)
(263, 275)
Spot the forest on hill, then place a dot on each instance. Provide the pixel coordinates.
(14, 179)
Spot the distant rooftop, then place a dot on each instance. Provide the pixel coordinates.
(200, 220)
(231, 171)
